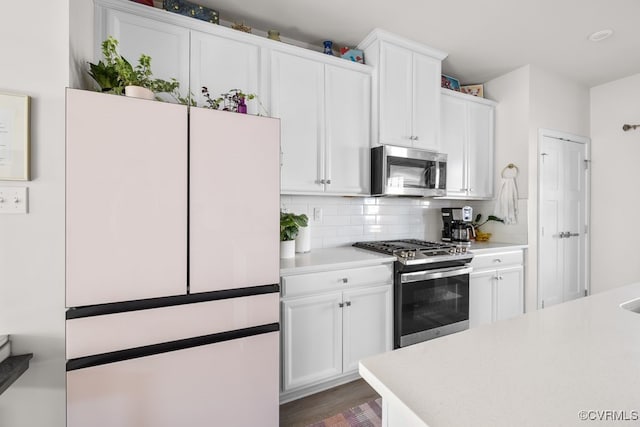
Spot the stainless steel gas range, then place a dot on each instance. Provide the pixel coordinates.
(431, 288)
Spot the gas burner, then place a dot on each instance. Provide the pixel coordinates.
(412, 251)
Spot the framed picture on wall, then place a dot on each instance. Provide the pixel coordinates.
(14, 137)
(449, 82)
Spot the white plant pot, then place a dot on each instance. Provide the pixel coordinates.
(288, 249)
(303, 241)
(139, 92)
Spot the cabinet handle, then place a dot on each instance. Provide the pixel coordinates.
(345, 280)
(415, 138)
(348, 303)
(340, 305)
(497, 260)
(320, 181)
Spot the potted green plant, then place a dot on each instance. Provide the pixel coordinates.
(116, 75)
(235, 100)
(290, 224)
(482, 236)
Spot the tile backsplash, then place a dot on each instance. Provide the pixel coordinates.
(341, 221)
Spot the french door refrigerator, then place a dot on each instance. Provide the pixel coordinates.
(172, 266)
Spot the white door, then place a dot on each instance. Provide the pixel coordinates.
(348, 109)
(222, 64)
(367, 317)
(312, 348)
(396, 87)
(480, 132)
(509, 298)
(453, 134)
(166, 44)
(297, 99)
(426, 102)
(562, 240)
(481, 297)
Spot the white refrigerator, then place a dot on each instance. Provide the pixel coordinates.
(172, 265)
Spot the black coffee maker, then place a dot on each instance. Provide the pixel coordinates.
(457, 226)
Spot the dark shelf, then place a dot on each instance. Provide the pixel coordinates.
(11, 369)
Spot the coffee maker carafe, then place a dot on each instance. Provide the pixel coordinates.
(457, 226)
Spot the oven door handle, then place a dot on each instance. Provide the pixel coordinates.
(419, 276)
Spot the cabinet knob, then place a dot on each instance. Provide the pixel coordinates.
(345, 280)
(415, 138)
(321, 181)
(348, 303)
(328, 181)
(340, 305)
(497, 260)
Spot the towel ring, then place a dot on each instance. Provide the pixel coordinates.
(510, 166)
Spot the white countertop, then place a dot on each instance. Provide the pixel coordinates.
(488, 247)
(539, 369)
(331, 259)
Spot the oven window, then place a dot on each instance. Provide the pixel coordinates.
(434, 303)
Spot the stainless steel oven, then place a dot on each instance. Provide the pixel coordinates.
(430, 303)
(431, 288)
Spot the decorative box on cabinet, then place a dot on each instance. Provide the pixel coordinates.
(324, 109)
(466, 135)
(406, 90)
(496, 287)
(331, 320)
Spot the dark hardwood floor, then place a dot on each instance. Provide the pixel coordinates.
(314, 408)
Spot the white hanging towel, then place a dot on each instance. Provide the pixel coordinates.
(507, 202)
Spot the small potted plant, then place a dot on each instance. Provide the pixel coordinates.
(482, 236)
(235, 100)
(116, 75)
(290, 224)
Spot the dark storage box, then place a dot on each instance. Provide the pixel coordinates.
(192, 10)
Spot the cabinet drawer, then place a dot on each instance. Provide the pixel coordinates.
(496, 260)
(303, 284)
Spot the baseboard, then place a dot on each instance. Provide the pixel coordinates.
(291, 395)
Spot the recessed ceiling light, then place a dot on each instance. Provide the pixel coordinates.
(598, 36)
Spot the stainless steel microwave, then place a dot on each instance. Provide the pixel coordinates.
(403, 171)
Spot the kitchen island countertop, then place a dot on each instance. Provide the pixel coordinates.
(553, 367)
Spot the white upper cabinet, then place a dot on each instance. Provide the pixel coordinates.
(466, 135)
(347, 113)
(324, 111)
(297, 99)
(222, 64)
(406, 91)
(166, 44)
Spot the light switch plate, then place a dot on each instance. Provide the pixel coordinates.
(13, 200)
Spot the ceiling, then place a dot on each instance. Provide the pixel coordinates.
(483, 39)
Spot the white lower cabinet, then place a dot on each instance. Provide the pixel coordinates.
(496, 287)
(331, 320)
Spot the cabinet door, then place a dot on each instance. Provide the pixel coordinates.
(348, 108)
(166, 44)
(234, 200)
(312, 339)
(481, 297)
(368, 321)
(297, 94)
(222, 64)
(426, 102)
(509, 297)
(126, 199)
(480, 132)
(396, 87)
(453, 133)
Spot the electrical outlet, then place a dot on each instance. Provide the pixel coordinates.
(13, 200)
(317, 214)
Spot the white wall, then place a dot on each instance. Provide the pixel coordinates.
(530, 98)
(615, 176)
(35, 62)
